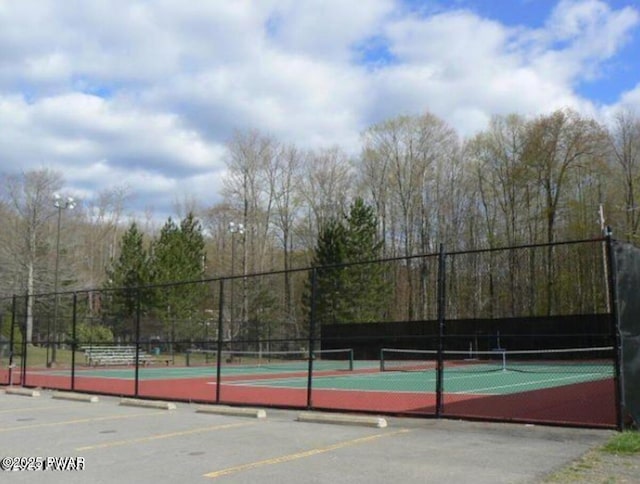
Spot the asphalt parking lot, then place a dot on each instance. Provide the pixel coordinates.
(107, 442)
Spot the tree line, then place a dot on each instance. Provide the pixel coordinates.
(415, 184)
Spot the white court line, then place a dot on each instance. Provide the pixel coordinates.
(285, 383)
(409, 392)
(577, 377)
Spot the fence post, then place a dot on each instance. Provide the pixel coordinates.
(441, 328)
(137, 362)
(219, 342)
(312, 330)
(74, 343)
(611, 279)
(12, 337)
(23, 370)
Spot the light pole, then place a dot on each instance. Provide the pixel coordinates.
(61, 204)
(234, 229)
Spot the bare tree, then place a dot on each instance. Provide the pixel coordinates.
(409, 163)
(497, 154)
(246, 187)
(215, 223)
(100, 229)
(504, 182)
(624, 140)
(556, 146)
(284, 179)
(374, 178)
(327, 182)
(247, 190)
(28, 197)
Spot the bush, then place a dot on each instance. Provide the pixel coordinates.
(5, 331)
(93, 333)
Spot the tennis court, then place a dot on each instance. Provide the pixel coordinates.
(478, 340)
(567, 386)
(493, 383)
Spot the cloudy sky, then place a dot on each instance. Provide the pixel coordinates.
(144, 94)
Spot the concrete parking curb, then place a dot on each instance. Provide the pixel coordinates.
(25, 392)
(234, 411)
(344, 419)
(133, 402)
(76, 397)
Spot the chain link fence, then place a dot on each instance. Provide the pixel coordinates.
(526, 334)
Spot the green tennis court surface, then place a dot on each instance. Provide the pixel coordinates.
(493, 383)
(169, 372)
(367, 378)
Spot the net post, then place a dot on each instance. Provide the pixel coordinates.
(351, 358)
(381, 359)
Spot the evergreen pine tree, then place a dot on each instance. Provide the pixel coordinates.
(346, 291)
(330, 254)
(128, 273)
(178, 257)
(366, 290)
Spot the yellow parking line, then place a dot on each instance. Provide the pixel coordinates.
(151, 438)
(81, 420)
(35, 409)
(300, 455)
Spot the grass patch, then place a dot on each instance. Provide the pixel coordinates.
(577, 470)
(627, 442)
(37, 357)
(616, 461)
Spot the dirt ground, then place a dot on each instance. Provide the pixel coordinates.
(599, 467)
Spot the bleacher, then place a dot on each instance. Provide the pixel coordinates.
(99, 355)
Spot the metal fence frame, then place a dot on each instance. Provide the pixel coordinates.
(17, 374)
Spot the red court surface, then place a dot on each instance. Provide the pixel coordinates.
(589, 404)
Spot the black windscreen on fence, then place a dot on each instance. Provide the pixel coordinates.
(627, 261)
(543, 333)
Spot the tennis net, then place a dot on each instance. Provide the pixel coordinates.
(334, 359)
(598, 360)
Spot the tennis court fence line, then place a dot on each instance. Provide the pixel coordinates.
(540, 333)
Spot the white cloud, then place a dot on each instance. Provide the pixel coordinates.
(631, 98)
(291, 96)
(455, 63)
(580, 35)
(629, 101)
(458, 41)
(96, 143)
(326, 29)
(114, 92)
